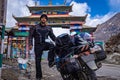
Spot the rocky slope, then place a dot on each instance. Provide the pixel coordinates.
(109, 32)
(109, 28)
(113, 44)
(113, 49)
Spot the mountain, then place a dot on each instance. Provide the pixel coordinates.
(113, 44)
(109, 28)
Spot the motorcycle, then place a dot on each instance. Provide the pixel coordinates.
(76, 67)
(76, 62)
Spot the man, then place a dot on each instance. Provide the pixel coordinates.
(40, 33)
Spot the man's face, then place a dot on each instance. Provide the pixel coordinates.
(43, 20)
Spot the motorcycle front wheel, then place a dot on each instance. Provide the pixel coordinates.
(75, 76)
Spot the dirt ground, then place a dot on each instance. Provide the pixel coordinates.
(14, 73)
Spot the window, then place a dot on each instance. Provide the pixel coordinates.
(44, 12)
(49, 12)
(1, 20)
(48, 21)
(54, 13)
(2, 13)
(63, 21)
(3, 5)
(53, 21)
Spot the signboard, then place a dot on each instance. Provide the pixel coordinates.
(22, 34)
(76, 27)
(24, 28)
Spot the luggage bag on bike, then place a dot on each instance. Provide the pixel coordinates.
(69, 65)
(63, 40)
(100, 53)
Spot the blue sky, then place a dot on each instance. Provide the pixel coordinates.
(97, 7)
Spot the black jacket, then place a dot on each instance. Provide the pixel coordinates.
(40, 33)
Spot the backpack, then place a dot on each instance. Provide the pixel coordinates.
(100, 54)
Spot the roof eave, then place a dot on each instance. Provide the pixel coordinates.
(34, 7)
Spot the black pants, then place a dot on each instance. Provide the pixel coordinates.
(39, 48)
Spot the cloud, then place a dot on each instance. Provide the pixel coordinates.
(81, 9)
(17, 8)
(93, 22)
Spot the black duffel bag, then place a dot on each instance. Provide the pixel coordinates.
(100, 54)
(70, 65)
